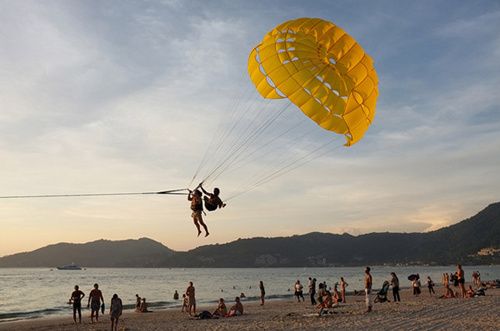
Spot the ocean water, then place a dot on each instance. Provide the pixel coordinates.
(32, 293)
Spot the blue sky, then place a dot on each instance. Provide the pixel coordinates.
(126, 95)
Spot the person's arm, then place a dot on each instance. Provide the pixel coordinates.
(102, 298)
(88, 303)
(204, 191)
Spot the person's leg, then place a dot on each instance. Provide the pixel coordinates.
(97, 315)
(195, 220)
(116, 323)
(74, 313)
(80, 314)
(204, 225)
(112, 323)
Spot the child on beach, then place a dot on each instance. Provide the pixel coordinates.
(184, 303)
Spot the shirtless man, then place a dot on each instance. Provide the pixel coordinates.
(191, 299)
(368, 289)
(212, 200)
(461, 280)
(94, 303)
(76, 300)
(197, 208)
(236, 309)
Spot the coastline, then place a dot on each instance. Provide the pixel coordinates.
(413, 313)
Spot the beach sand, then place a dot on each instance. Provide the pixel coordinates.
(422, 313)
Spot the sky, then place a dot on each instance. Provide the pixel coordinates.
(127, 96)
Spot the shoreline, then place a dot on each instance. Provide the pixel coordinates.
(413, 313)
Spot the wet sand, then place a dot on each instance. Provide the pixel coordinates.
(413, 313)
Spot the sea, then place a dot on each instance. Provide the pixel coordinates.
(34, 293)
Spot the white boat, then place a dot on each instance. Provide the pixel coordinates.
(71, 266)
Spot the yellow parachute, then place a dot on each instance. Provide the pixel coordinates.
(322, 70)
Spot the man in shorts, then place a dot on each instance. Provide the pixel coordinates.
(95, 298)
(197, 210)
(191, 299)
(76, 300)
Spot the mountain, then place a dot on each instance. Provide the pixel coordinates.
(143, 252)
(473, 241)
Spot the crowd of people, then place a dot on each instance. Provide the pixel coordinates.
(321, 296)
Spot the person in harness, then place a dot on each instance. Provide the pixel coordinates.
(197, 208)
(212, 200)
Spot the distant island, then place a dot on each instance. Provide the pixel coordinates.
(473, 241)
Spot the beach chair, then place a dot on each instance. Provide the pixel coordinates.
(382, 294)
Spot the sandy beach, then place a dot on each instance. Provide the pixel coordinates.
(421, 313)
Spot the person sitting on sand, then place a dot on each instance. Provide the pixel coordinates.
(176, 295)
(236, 309)
(448, 293)
(326, 300)
(94, 303)
(115, 311)
(197, 210)
(221, 310)
(137, 303)
(144, 306)
(470, 292)
(336, 295)
(212, 200)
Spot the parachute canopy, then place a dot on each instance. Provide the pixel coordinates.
(322, 70)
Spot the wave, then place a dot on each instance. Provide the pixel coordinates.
(65, 310)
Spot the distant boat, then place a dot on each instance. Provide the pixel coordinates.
(71, 266)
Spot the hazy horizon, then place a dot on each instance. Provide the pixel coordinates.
(126, 96)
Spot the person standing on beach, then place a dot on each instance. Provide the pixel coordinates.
(94, 303)
(137, 303)
(262, 293)
(430, 286)
(461, 280)
(312, 290)
(197, 210)
(191, 299)
(299, 291)
(368, 289)
(115, 311)
(76, 300)
(343, 285)
(395, 287)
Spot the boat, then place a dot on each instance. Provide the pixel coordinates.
(71, 266)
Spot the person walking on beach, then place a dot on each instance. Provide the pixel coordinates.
(94, 303)
(343, 285)
(461, 280)
(430, 286)
(115, 311)
(262, 292)
(197, 210)
(299, 291)
(415, 283)
(191, 299)
(395, 287)
(368, 289)
(76, 300)
(312, 290)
